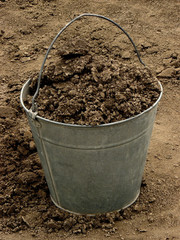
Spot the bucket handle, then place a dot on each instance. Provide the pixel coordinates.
(34, 105)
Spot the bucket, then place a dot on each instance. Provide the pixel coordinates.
(91, 169)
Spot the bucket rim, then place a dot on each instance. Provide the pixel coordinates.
(88, 126)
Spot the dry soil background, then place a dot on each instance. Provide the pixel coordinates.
(26, 29)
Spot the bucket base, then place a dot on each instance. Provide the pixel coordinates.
(91, 214)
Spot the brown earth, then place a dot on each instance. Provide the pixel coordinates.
(88, 89)
(26, 30)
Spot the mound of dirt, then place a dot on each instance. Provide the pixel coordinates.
(88, 89)
(24, 196)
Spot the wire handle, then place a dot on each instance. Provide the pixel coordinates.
(34, 106)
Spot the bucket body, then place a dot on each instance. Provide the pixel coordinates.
(93, 170)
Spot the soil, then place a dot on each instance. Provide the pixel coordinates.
(88, 89)
(27, 28)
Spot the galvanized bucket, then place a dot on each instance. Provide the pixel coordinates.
(91, 170)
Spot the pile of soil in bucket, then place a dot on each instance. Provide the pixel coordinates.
(84, 88)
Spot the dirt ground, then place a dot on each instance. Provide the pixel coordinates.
(27, 27)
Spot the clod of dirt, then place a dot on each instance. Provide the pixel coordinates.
(7, 112)
(32, 145)
(54, 225)
(75, 49)
(88, 89)
(26, 177)
(167, 61)
(32, 219)
(167, 73)
(69, 223)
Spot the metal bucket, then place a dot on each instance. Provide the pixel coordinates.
(89, 169)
